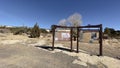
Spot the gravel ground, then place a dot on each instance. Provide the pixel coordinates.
(20, 56)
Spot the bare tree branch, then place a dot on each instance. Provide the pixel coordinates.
(75, 19)
(63, 22)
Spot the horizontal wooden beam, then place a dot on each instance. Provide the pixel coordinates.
(88, 26)
(90, 30)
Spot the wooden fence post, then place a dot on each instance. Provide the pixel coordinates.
(77, 40)
(100, 40)
(53, 38)
(71, 34)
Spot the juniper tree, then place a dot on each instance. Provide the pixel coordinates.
(35, 31)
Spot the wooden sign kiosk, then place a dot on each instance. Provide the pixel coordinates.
(78, 29)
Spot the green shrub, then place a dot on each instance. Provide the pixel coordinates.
(35, 31)
(43, 30)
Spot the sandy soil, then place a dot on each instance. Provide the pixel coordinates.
(17, 51)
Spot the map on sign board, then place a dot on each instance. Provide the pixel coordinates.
(65, 36)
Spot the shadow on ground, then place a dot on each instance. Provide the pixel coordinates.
(50, 48)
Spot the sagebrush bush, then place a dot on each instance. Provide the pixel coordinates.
(35, 31)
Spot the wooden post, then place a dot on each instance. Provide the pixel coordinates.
(53, 38)
(71, 34)
(100, 40)
(77, 40)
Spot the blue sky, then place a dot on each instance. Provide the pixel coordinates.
(48, 12)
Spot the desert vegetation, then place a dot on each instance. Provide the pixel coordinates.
(112, 33)
(32, 32)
